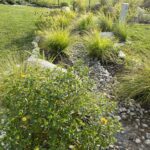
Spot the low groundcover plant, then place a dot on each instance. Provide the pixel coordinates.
(49, 109)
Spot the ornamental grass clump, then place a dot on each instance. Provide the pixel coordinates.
(101, 48)
(120, 30)
(85, 23)
(105, 23)
(50, 109)
(55, 42)
(136, 86)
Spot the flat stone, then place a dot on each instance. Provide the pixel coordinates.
(107, 34)
(44, 64)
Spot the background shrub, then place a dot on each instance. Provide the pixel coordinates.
(136, 86)
(63, 4)
(42, 3)
(79, 5)
(47, 109)
(101, 48)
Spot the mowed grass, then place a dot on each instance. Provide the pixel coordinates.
(17, 27)
(138, 47)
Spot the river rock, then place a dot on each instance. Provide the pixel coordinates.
(121, 55)
(43, 64)
(148, 135)
(107, 34)
(144, 125)
(147, 142)
(137, 141)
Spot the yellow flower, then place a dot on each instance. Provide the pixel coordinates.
(23, 75)
(104, 121)
(36, 148)
(24, 119)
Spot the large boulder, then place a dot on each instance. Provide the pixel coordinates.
(44, 64)
(34, 60)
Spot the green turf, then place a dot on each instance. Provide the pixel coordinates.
(17, 27)
(138, 49)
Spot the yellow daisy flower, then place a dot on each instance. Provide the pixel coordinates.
(24, 119)
(23, 75)
(103, 121)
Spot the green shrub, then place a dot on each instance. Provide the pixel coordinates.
(11, 2)
(120, 30)
(64, 4)
(105, 23)
(79, 5)
(55, 42)
(136, 86)
(47, 109)
(42, 3)
(101, 48)
(85, 23)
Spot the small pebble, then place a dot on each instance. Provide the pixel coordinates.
(137, 141)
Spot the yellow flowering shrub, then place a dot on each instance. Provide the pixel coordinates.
(56, 112)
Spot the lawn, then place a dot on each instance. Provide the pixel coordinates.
(17, 26)
(138, 49)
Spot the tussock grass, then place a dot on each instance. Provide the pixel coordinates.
(120, 30)
(85, 23)
(55, 42)
(136, 86)
(101, 48)
(105, 22)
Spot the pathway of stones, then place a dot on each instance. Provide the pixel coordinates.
(134, 118)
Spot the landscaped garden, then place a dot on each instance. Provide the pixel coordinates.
(74, 74)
